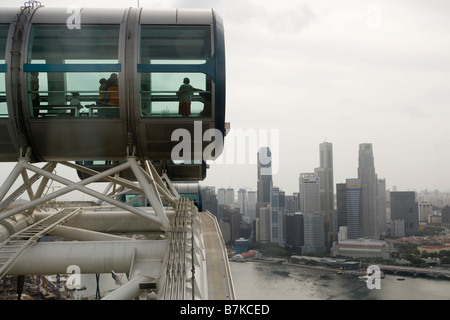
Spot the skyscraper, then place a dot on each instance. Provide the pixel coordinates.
(242, 201)
(264, 175)
(314, 237)
(341, 204)
(405, 207)
(354, 209)
(264, 183)
(294, 232)
(309, 194)
(381, 206)
(369, 180)
(325, 174)
(277, 216)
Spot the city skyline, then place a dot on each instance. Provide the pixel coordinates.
(348, 73)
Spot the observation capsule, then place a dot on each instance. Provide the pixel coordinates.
(99, 84)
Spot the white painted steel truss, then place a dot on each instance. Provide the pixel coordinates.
(167, 264)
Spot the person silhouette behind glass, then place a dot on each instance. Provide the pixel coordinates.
(101, 92)
(112, 88)
(185, 94)
(76, 103)
(35, 98)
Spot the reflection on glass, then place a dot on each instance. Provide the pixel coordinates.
(3, 37)
(3, 105)
(166, 47)
(71, 94)
(73, 72)
(57, 43)
(159, 94)
(174, 43)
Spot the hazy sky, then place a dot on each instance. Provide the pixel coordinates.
(345, 72)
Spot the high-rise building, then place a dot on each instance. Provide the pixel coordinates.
(369, 180)
(314, 236)
(242, 201)
(381, 207)
(341, 204)
(262, 224)
(251, 204)
(221, 196)
(405, 207)
(309, 194)
(292, 203)
(277, 216)
(294, 233)
(264, 182)
(209, 199)
(229, 197)
(326, 183)
(354, 209)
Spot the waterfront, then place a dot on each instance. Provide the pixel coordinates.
(270, 281)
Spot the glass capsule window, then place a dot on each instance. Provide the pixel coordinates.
(3, 38)
(175, 71)
(170, 94)
(73, 72)
(73, 94)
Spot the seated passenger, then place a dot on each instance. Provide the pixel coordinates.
(76, 103)
(112, 86)
(101, 92)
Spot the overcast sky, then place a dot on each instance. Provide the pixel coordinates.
(345, 72)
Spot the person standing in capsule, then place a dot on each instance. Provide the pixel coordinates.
(185, 93)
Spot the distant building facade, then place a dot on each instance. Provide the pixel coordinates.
(326, 189)
(354, 208)
(277, 216)
(405, 207)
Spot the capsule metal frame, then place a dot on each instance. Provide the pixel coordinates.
(104, 138)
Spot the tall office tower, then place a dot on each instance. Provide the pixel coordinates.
(294, 233)
(209, 199)
(263, 225)
(229, 197)
(354, 206)
(277, 216)
(309, 193)
(264, 175)
(314, 236)
(242, 201)
(368, 177)
(292, 203)
(221, 196)
(341, 204)
(251, 204)
(405, 207)
(325, 174)
(381, 206)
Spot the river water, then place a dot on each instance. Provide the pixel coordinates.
(270, 281)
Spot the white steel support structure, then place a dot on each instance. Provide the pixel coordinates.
(171, 261)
